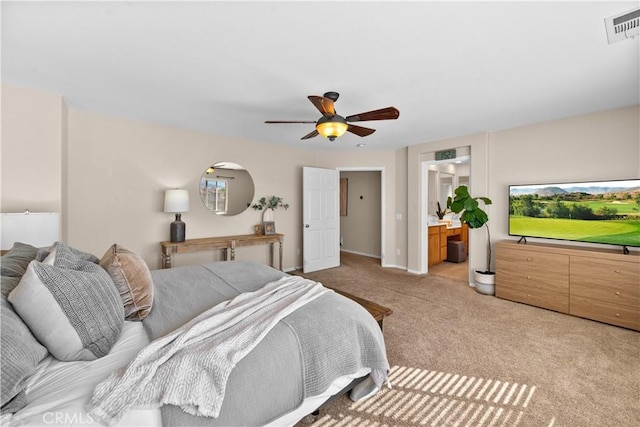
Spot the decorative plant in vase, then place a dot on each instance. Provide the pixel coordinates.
(441, 212)
(475, 217)
(267, 205)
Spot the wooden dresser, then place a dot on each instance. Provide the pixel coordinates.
(596, 284)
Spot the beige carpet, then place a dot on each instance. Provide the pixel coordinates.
(463, 359)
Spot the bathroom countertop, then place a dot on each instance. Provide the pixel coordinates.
(437, 224)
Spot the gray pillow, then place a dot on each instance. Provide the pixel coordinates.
(45, 252)
(8, 284)
(19, 350)
(71, 305)
(14, 263)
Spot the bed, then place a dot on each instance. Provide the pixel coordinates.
(307, 357)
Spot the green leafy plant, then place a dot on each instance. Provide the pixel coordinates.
(472, 214)
(273, 202)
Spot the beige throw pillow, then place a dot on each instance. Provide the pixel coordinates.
(132, 278)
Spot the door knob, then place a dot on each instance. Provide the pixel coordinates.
(306, 226)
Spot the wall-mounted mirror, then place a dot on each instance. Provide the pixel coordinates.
(226, 188)
(444, 177)
(446, 186)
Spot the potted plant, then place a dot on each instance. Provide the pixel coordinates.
(441, 212)
(272, 202)
(475, 217)
(268, 205)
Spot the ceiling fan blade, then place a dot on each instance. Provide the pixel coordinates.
(289, 121)
(311, 134)
(389, 113)
(360, 131)
(324, 105)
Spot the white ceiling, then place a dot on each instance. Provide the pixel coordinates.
(451, 68)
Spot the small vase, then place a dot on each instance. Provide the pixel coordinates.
(268, 215)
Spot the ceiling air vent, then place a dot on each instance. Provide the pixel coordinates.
(623, 26)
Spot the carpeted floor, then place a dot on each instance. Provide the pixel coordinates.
(463, 359)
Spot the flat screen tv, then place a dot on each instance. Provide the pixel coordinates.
(606, 212)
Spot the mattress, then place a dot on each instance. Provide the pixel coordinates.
(59, 391)
(301, 357)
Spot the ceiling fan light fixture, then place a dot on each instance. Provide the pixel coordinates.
(332, 127)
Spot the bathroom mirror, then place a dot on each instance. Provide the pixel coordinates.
(226, 188)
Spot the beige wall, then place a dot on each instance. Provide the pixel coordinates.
(33, 129)
(602, 145)
(599, 146)
(107, 175)
(119, 169)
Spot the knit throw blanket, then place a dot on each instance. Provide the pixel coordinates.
(189, 367)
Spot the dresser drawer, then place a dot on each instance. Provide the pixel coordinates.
(527, 263)
(539, 280)
(533, 275)
(615, 282)
(612, 293)
(621, 315)
(530, 269)
(599, 270)
(530, 257)
(538, 297)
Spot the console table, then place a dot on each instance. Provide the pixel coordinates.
(228, 243)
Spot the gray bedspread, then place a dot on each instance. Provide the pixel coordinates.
(327, 338)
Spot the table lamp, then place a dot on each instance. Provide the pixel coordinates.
(177, 201)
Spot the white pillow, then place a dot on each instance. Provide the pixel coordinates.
(72, 307)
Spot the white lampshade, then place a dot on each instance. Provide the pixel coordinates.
(176, 201)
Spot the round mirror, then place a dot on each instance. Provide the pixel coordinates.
(226, 188)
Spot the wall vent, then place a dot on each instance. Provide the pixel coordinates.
(623, 26)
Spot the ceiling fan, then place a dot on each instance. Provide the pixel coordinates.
(331, 125)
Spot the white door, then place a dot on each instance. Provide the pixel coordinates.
(320, 219)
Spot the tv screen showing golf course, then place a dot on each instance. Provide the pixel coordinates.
(605, 212)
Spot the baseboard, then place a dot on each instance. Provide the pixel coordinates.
(400, 267)
(360, 253)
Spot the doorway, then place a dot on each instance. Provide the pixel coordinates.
(362, 212)
(440, 179)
